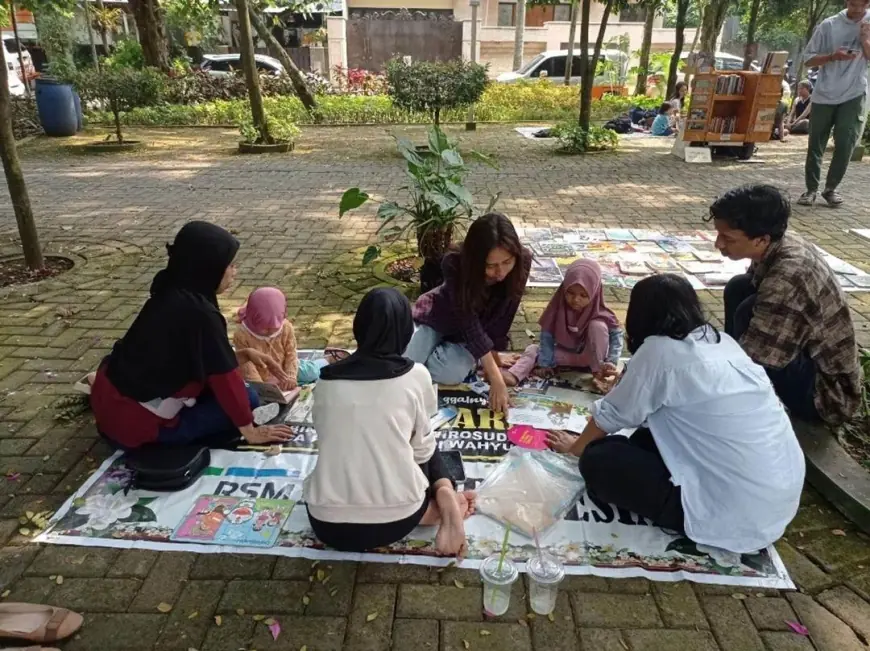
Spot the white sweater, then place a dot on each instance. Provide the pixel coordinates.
(370, 436)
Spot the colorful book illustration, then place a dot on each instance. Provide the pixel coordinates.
(555, 249)
(538, 234)
(708, 256)
(237, 521)
(634, 267)
(663, 263)
(689, 236)
(701, 267)
(619, 235)
(673, 245)
(300, 412)
(647, 247)
(646, 235)
(545, 273)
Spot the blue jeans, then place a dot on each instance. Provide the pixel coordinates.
(448, 362)
(204, 423)
(795, 383)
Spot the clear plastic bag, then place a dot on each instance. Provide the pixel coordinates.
(530, 490)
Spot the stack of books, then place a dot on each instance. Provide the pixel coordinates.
(774, 63)
(723, 125)
(730, 85)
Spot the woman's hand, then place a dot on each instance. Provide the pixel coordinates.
(506, 360)
(268, 434)
(499, 400)
(606, 378)
(561, 441)
(287, 385)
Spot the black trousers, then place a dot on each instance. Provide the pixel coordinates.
(359, 537)
(630, 473)
(795, 384)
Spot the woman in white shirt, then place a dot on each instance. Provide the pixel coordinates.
(716, 457)
(379, 473)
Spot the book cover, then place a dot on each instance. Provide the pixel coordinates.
(237, 521)
(619, 235)
(268, 392)
(545, 273)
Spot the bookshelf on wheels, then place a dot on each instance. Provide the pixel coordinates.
(732, 109)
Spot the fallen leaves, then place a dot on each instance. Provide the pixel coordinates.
(466, 644)
(798, 628)
(240, 612)
(162, 607)
(838, 532)
(5, 594)
(551, 617)
(484, 633)
(275, 629)
(306, 599)
(321, 575)
(59, 581)
(371, 617)
(739, 595)
(459, 584)
(218, 620)
(193, 615)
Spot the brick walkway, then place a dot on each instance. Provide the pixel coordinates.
(113, 215)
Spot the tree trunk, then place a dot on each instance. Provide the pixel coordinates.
(711, 24)
(646, 46)
(519, 34)
(694, 48)
(572, 35)
(290, 66)
(585, 89)
(15, 177)
(252, 78)
(751, 29)
(679, 39)
(103, 36)
(117, 113)
(90, 28)
(152, 35)
(592, 68)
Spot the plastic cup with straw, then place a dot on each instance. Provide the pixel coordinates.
(498, 573)
(545, 574)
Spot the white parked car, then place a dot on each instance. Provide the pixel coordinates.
(25, 72)
(221, 65)
(551, 65)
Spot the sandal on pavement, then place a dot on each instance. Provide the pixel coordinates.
(37, 623)
(337, 354)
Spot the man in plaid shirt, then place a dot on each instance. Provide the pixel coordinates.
(788, 311)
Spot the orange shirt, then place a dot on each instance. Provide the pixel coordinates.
(281, 348)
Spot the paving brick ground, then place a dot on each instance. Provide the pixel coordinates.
(112, 215)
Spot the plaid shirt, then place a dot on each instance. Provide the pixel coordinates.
(482, 332)
(800, 306)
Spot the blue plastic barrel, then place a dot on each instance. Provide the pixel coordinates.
(56, 106)
(80, 118)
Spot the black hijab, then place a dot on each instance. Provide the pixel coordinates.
(382, 328)
(180, 336)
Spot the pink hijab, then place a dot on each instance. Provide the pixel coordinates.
(568, 326)
(265, 311)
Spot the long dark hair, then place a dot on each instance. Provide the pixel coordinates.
(486, 233)
(663, 305)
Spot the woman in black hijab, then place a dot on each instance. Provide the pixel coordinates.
(379, 473)
(173, 378)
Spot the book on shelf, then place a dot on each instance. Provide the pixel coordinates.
(774, 63)
(723, 125)
(730, 85)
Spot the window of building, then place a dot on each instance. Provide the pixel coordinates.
(633, 14)
(507, 16)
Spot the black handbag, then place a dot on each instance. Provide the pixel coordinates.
(159, 467)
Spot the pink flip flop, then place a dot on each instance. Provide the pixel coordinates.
(37, 623)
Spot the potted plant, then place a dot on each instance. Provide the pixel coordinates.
(435, 86)
(437, 204)
(119, 89)
(283, 136)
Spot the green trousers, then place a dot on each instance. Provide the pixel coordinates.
(846, 120)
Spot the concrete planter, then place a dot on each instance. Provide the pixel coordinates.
(254, 148)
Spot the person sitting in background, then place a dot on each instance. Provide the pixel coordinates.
(663, 125)
(798, 120)
(678, 101)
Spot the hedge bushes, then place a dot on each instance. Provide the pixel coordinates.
(534, 101)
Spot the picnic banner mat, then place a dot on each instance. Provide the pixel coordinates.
(593, 538)
(627, 255)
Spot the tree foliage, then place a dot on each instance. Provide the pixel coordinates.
(434, 86)
(120, 89)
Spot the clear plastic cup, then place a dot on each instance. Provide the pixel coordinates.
(497, 584)
(545, 575)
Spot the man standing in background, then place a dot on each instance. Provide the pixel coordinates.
(840, 47)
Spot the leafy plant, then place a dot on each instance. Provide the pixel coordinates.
(356, 81)
(128, 54)
(281, 130)
(434, 86)
(120, 89)
(438, 199)
(574, 139)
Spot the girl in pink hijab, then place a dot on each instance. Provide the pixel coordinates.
(577, 329)
(263, 326)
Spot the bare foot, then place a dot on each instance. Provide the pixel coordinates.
(450, 539)
(510, 379)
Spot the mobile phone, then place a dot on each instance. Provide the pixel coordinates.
(453, 462)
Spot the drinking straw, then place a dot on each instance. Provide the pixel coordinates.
(504, 547)
(538, 546)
